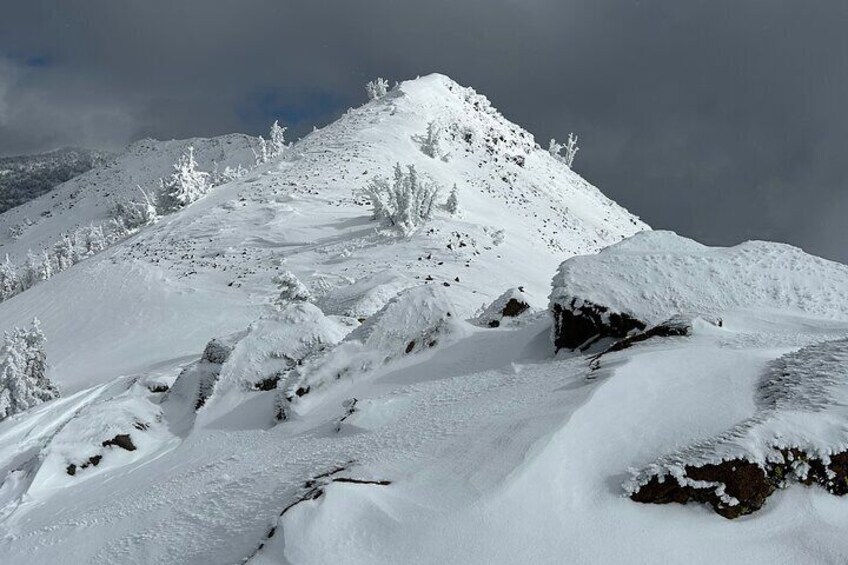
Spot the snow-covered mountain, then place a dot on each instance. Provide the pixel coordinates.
(89, 197)
(208, 270)
(391, 417)
(25, 177)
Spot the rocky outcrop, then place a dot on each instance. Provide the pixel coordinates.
(578, 324)
(738, 487)
(508, 307)
(797, 436)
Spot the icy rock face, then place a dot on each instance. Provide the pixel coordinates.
(415, 320)
(509, 306)
(653, 276)
(798, 435)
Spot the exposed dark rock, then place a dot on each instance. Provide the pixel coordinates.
(92, 461)
(514, 308)
(216, 352)
(749, 483)
(121, 440)
(581, 326)
(269, 383)
(158, 388)
(510, 304)
(745, 481)
(671, 328)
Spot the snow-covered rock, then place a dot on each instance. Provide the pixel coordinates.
(797, 435)
(653, 276)
(507, 308)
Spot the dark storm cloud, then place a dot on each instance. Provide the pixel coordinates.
(723, 120)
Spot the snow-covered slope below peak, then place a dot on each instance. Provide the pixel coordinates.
(88, 198)
(654, 276)
(209, 268)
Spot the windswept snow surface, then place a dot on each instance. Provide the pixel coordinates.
(657, 273)
(472, 445)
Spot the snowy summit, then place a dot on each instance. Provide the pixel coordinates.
(413, 336)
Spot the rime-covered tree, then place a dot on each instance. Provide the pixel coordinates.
(65, 252)
(377, 88)
(130, 215)
(291, 289)
(9, 283)
(45, 267)
(28, 274)
(570, 148)
(452, 204)
(405, 202)
(23, 365)
(278, 139)
(274, 147)
(186, 184)
(430, 141)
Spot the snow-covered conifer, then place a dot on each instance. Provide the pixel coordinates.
(9, 283)
(291, 289)
(23, 365)
(430, 141)
(452, 205)
(263, 154)
(377, 88)
(46, 265)
(28, 274)
(65, 252)
(186, 184)
(278, 139)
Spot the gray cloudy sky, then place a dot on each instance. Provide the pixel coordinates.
(724, 120)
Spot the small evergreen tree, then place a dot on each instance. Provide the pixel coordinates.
(46, 266)
(130, 215)
(452, 205)
(9, 283)
(28, 275)
(186, 184)
(377, 88)
(291, 289)
(65, 253)
(278, 139)
(430, 141)
(23, 366)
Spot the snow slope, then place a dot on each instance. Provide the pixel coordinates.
(485, 448)
(158, 297)
(389, 422)
(87, 198)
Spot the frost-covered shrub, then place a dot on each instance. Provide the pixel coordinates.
(185, 185)
(377, 88)
(405, 202)
(131, 215)
(229, 174)
(570, 148)
(23, 383)
(276, 146)
(291, 289)
(430, 141)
